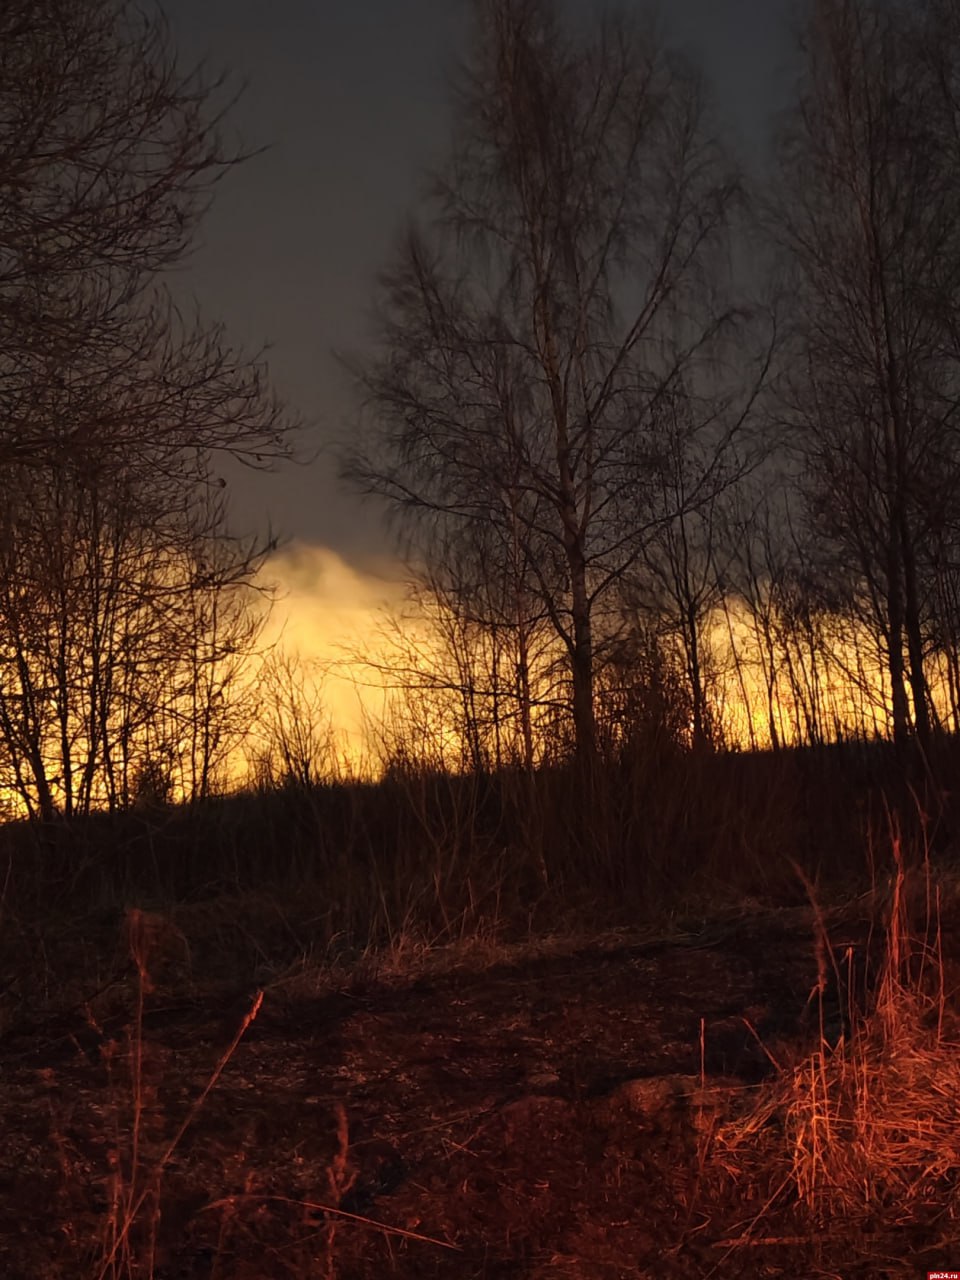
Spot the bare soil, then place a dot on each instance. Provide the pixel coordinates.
(551, 1115)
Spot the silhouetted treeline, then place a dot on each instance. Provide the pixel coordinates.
(673, 455)
(123, 609)
(635, 414)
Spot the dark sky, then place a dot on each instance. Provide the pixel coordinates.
(348, 95)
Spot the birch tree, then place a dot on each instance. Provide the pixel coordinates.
(120, 591)
(563, 276)
(109, 154)
(868, 210)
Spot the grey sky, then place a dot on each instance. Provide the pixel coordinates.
(349, 97)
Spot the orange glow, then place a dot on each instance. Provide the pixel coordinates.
(342, 626)
(333, 615)
(326, 613)
(375, 667)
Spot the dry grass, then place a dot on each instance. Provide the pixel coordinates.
(612, 1149)
(867, 1122)
(125, 1244)
(380, 890)
(136, 1161)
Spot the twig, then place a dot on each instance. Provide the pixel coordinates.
(230, 1201)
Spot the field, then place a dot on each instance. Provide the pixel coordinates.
(441, 1028)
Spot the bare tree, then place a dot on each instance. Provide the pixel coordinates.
(562, 281)
(869, 212)
(122, 640)
(108, 156)
(291, 743)
(683, 573)
(123, 604)
(481, 597)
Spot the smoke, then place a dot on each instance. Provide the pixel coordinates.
(326, 614)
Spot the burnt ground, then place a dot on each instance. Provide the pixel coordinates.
(549, 1115)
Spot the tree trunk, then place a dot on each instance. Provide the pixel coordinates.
(581, 665)
(914, 634)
